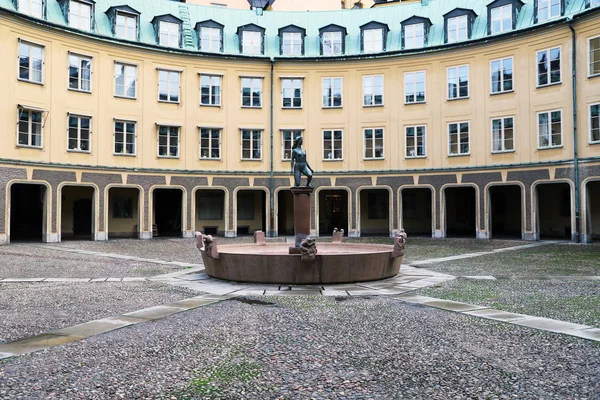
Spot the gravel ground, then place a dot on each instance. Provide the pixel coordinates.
(573, 301)
(554, 259)
(23, 261)
(28, 309)
(311, 347)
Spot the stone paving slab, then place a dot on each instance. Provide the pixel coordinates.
(99, 326)
(590, 334)
(99, 280)
(133, 279)
(413, 298)
(35, 343)
(19, 280)
(496, 315)
(293, 293)
(452, 305)
(155, 312)
(67, 279)
(192, 303)
(551, 325)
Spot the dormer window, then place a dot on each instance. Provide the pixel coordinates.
(373, 37)
(124, 21)
(414, 32)
(251, 39)
(458, 25)
(210, 36)
(333, 40)
(502, 15)
(168, 30)
(80, 15)
(291, 40)
(548, 9)
(31, 7)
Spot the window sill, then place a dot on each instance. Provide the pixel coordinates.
(210, 158)
(374, 159)
(80, 91)
(460, 155)
(210, 105)
(594, 76)
(458, 98)
(125, 97)
(502, 151)
(594, 142)
(124, 155)
(168, 157)
(333, 159)
(372, 105)
(332, 107)
(29, 81)
(551, 147)
(415, 102)
(502, 92)
(24, 146)
(291, 108)
(168, 102)
(415, 157)
(251, 159)
(255, 107)
(79, 151)
(548, 85)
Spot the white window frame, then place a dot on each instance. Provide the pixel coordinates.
(219, 96)
(294, 43)
(80, 58)
(291, 84)
(168, 145)
(502, 136)
(28, 7)
(252, 85)
(411, 78)
(249, 42)
(31, 61)
(414, 36)
(332, 38)
(458, 142)
(373, 40)
(169, 34)
(594, 3)
(415, 147)
(169, 74)
(79, 118)
(458, 96)
(502, 80)
(591, 124)
(549, 69)
(128, 19)
(455, 28)
(126, 67)
(549, 129)
(547, 4)
(77, 19)
(30, 125)
(503, 13)
(211, 138)
(252, 139)
(125, 142)
(207, 39)
(333, 141)
(597, 50)
(368, 82)
(290, 141)
(330, 98)
(373, 144)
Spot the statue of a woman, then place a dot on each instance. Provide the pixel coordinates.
(299, 164)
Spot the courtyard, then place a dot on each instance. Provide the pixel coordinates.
(464, 319)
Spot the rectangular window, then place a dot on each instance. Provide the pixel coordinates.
(80, 129)
(548, 67)
(31, 61)
(548, 9)
(373, 90)
(503, 134)
(458, 138)
(80, 71)
(251, 144)
(210, 90)
(168, 86)
(291, 44)
(210, 143)
(251, 42)
(292, 92)
(168, 141)
(458, 82)
(332, 43)
(594, 44)
(210, 39)
(168, 34)
(414, 36)
(287, 141)
(30, 128)
(125, 135)
(31, 7)
(125, 80)
(126, 26)
(373, 40)
(373, 143)
(549, 129)
(332, 92)
(502, 75)
(251, 92)
(415, 141)
(80, 15)
(457, 29)
(414, 87)
(332, 145)
(595, 123)
(501, 19)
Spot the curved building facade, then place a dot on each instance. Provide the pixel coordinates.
(477, 119)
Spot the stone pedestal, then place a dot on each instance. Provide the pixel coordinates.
(301, 214)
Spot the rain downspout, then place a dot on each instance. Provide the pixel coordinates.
(577, 237)
(271, 179)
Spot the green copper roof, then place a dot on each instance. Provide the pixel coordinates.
(310, 20)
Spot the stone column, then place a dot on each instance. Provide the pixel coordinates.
(301, 213)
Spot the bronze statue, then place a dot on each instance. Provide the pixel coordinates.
(299, 164)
